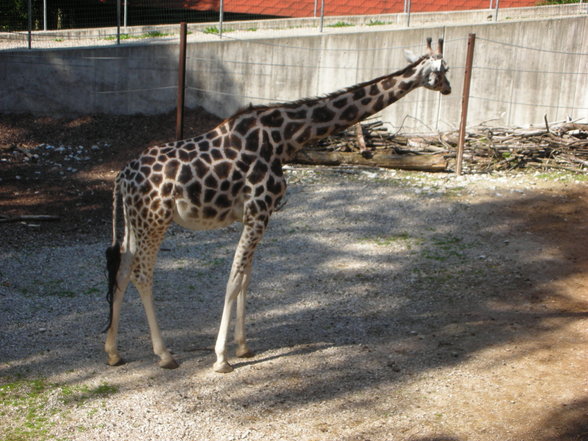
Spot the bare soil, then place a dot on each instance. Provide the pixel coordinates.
(458, 313)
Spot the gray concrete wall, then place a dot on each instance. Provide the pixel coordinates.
(513, 83)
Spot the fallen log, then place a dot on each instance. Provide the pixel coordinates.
(433, 163)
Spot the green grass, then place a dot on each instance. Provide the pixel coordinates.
(150, 34)
(340, 24)
(377, 23)
(29, 408)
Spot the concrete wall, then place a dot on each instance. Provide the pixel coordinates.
(513, 83)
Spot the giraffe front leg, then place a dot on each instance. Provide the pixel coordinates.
(243, 350)
(233, 287)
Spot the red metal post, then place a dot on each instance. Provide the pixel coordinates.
(181, 82)
(465, 101)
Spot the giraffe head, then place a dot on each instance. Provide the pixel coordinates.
(431, 68)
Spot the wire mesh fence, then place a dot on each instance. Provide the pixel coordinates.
(43, 15)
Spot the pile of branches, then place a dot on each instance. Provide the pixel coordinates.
(558, 146)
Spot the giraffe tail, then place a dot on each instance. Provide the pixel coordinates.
(113, 255)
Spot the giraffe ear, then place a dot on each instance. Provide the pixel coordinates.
(410, 56)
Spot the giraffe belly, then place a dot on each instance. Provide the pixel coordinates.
(195, 218)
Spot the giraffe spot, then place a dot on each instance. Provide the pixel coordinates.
(248, 158)
(211, 182)
(185, 174)
(162, 158)
(237, 186)
(216, 154)
(259, 191)
(147, 160)
(222, 169)
(404, 85)
(194, 192)
(167, 189)
(222, 201)
(392, 97)
(350, 113)
(280, 150)
(252, 141)
(139, 178)
(274, 119)
(322, 131)
(237, 176)
(200, 168)
(358, 93)
(157, 167)
(225, 185)
(206, 158)
(379, 105)
(366, 101)
(340, 103)
(276, 167)
(211, 135)
(171, 169)
(258, 173)
(209, 212)
(189, 147)
(322, 114)
(146, 187)
(245, 124)
(231, 153)
(276, 136)
(274, 185)
(298, 114)
(388, 83)
(223, 130)
(183, 155)
(209, 195)
(203, 146)
(217, 142)
(266, 148)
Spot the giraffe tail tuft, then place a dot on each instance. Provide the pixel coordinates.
(112, 266)
(112, 255)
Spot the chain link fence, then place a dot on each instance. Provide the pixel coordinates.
(44, 15)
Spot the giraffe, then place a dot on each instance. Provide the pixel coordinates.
(232, 173)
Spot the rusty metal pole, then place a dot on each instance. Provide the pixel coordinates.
(181, 82)
(465, 99)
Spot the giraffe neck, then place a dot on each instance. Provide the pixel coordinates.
(289, 127)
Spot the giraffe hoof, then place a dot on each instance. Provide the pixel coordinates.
(223, 367)
(168, 364)
(115, 361)
(245, 353)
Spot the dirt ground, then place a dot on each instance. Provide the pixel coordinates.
(511, 367)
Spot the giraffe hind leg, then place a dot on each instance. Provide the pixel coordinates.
(148, 243)
(119, 276)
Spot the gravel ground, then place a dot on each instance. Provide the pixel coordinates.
(384, 305)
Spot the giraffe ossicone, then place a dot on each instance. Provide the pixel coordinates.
(232, 173)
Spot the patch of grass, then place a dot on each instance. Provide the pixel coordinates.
(29, 408)
(211, 30)
(340, 24)
(377, 23)
(150, 34)
(563, 176)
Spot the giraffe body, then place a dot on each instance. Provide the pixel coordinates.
(232, 173)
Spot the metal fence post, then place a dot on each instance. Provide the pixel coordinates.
(464, 102)
(30, 24)
(496, 12)
(322, 15)
(181, 82)
(221, 16)
(117, 21)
